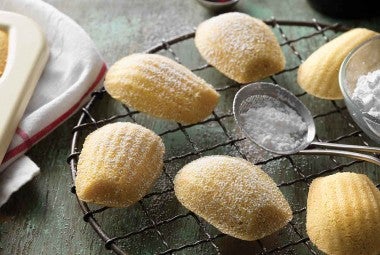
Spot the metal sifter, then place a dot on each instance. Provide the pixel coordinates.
(255, 94)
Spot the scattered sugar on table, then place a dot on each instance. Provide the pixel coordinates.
(275, 127)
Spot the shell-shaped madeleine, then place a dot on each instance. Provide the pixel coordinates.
(240, 46)
(343, 214)
(118, 164)
(233, 195)
(318, 75)
(3, 50)
(161, 87)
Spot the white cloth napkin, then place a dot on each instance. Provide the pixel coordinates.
(73, 71)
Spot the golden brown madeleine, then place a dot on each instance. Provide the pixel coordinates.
(3, 50)
(161, 87)
(343, 214)
(240, 46)
(318, 75)
(233, 195)
(118, 164)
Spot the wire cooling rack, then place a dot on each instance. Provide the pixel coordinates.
(158, 224)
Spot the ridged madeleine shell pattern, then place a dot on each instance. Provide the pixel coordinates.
(318, 75)
(161, 87)
(343, 214)
(240, 46)
(118, 164)
(233, 195)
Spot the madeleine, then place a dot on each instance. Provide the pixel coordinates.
(161, 87)
(118, 165)
(232, 194)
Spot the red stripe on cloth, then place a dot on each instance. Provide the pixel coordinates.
(43, 132)
(22, 134)
(24, 137)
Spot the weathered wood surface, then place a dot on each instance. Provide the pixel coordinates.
(44, 217)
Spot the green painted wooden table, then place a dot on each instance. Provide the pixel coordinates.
(44, 217)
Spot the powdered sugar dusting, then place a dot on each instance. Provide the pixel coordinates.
(367, 93)
(234, 33)
(234, 195)
(273, 127)
(161, 87)
(240, 46)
